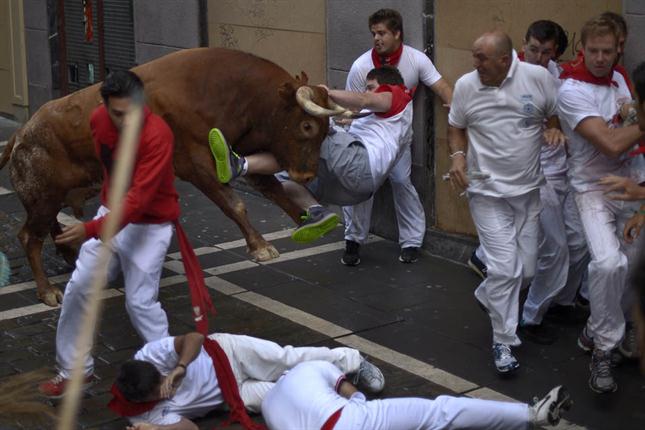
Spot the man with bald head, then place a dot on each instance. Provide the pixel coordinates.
(495, 135)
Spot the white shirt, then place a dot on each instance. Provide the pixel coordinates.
(414, 66)
(384, 138)
(198, 394)
(505, 127)
(587, 165)
(554, 158)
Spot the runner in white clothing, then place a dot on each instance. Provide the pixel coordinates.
(497, 116)
(386, 26)
(353, 164)
(589, 105)
(562, 252)
(172, 380)
(315, 395)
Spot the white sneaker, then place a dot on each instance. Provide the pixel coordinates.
(546, 411)
(369, 377)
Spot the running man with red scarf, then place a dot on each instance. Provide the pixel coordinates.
(150, 209)
(589, 104)
(386, 26)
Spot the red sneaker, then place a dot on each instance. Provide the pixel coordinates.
(55, 387)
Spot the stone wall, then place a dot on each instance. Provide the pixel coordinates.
(290, 33)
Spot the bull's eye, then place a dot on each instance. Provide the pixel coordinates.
(309, 128)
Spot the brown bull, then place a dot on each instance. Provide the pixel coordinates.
(253, 102)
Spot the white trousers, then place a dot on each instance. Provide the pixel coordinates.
(410, 216)
(443, 413)
(562, 252)
(258, 363)
(139, 250)
(301, 396)
(508, 233)
(603, 220)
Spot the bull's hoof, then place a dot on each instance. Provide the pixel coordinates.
(51, 297)
(265, 253)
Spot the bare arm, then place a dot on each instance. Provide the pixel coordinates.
(376, 102)
(458, 144)
(183, 424)
(187, 348)
(610, 141)
(443, 90)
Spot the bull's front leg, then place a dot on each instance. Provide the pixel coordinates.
(233, 207)
(272, 189)
(33, 246)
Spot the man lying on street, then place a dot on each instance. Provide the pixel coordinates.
(174, 379)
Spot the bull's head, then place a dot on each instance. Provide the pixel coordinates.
(306, 124)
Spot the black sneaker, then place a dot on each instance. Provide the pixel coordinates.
(582, 303)
(228, 164)
(565, 314)
(477, 265)
(350, 256)
(317, 222)
(409, 255)
(537, 333)
(601, 380)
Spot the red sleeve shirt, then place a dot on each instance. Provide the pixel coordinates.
(151, 198)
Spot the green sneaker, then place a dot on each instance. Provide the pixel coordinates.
(315, 224)
(228, 164)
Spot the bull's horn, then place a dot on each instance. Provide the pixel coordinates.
(304, 97)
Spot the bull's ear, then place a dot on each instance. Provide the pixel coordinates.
(304, 79)
(288, 92)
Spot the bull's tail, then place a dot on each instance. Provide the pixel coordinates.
(6, 154)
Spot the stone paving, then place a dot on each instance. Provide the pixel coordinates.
(424, 311)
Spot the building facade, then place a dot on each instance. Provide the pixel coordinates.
(49, 48)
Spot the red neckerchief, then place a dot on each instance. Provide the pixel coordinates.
(202, 305)
(390, 60)
(576, 69)
(125, 408)
(520, 56)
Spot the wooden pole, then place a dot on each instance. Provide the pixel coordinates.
(126, 152)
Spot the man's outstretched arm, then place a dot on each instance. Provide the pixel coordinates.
(376, 102)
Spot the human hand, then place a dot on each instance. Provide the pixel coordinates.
(457, 172)
(630, 189)
(142, 426)
(343, 121)
(633, 227)
(554, 137)
(71, 234)
(172, 381)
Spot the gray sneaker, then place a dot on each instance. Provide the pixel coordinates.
(369, 377)
(601, 379)
(505, 361)
(546, 411)
(629, 346)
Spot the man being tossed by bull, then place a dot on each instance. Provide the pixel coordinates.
(353, 164)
